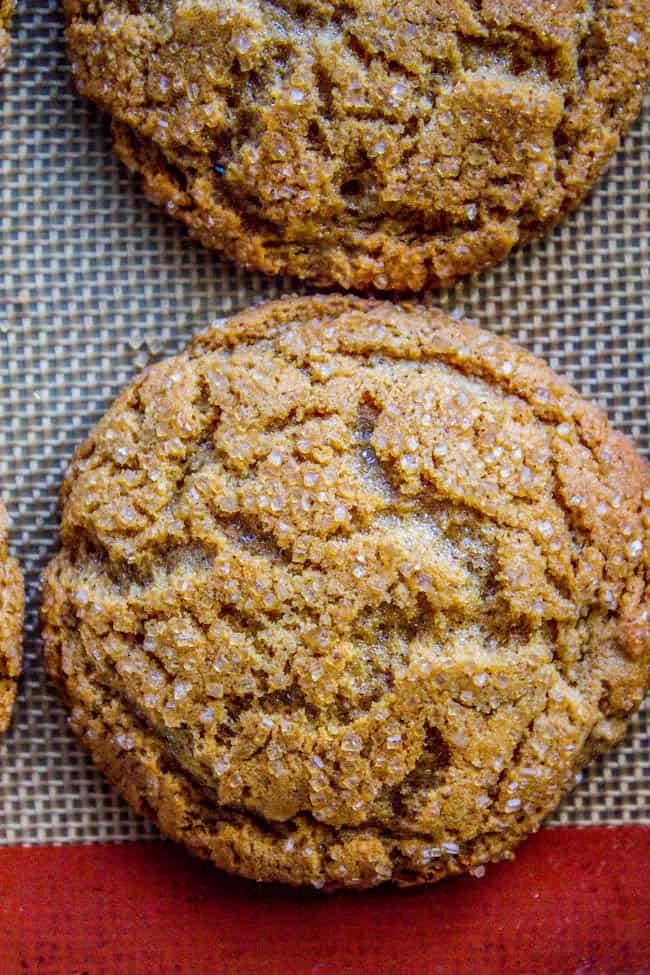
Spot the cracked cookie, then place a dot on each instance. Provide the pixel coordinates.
(6, 10)
(11, 624)
(350, 592)
(366, 143)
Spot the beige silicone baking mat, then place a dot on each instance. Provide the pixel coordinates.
(95, 283)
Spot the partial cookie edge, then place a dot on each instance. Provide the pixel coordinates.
(406, 266)
(12, 605)
(6, 11)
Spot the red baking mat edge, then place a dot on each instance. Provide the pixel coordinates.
(575, 900)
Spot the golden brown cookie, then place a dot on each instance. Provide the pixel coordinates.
(349, 592)
(367, 142)
(11, 624)
(6, 10)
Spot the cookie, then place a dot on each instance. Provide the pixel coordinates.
(6, 10)
(350, 592)
(364, 143)
(11, 624)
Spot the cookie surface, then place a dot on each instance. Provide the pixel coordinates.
(365, 143)
(349, 592)
(11, 624)
(6, 10)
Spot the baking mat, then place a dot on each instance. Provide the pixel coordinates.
(149, 909)
(95, 283)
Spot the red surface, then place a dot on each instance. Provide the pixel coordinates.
(574, 901)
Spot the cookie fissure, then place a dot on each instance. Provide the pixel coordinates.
(203, 829)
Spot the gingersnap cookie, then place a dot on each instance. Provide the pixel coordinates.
(6, 10)
(366, 143)
(349, 592)
(11, 623)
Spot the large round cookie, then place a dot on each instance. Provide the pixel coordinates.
(6, 10)
(349, 592)
(367, 142)
(11, 624)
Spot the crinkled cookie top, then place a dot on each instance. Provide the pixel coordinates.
(11, 623)
(370, 142)
(349, 592)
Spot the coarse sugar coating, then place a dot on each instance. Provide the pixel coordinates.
(11, 624)
(349, 592)
(367, 143)
(6, 10)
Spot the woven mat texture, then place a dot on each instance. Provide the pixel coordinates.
(95, 283)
